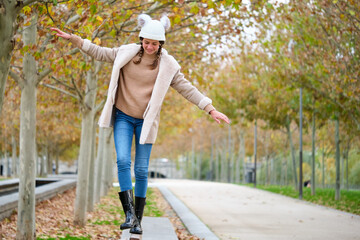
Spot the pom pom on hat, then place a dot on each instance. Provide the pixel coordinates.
(153, 29)
(165, 22)
(143, 19)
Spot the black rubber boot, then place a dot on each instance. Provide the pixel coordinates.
(127, 201)
(139, 210)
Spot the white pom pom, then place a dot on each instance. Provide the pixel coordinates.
(165, 21)
(142, 19)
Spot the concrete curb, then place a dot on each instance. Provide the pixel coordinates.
(190, 220)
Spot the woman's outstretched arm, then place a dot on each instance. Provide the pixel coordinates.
(99, 53)
(192, 94)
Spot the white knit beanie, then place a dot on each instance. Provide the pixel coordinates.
(153, 29)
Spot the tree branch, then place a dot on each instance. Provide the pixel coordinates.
(77, 90)
(184, 26)
(43, 74)
(100, 106)
(73, 51)
(155, 7)
(63, 83)
(96, 32)
(27, 2)
(17, 78)
(45, 42)
(60, 90)
(48, 13)
(138, 6)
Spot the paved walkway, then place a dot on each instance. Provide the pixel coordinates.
(154, 228)
(238, 212)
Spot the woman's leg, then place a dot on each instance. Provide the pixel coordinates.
(123, 135)
(141, 167)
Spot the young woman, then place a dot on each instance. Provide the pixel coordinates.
(141, 76)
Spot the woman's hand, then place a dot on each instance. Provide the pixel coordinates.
(61, 33)
(217, 116)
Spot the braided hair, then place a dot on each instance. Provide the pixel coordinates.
(141, 53)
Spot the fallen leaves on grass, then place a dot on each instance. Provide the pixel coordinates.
(54, 219)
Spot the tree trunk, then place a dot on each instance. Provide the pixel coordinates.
(211, 175)
(57, 161)
(244, 167)
(342, 168)
(337, 160)
(192, 158)
(107, 161)
(99, 164)
(283, 171)
(91, 189)
(110, 145)
(42, 166)
(347, 164)
(313, 155)
(241, 154)
(14, 168)
(323, 164)
(7, 164)
(229, 167)
(217, 175)
(7, 29)
(38, 163)
(223, 163)
(286, 171)
(26, 202)
(267, 170)
(292, 153)
(272, 182)
(83, 169)
(85, 153)
(255, 151)
(198, 163)
(266, 158)
(301, 146)
(49, 161)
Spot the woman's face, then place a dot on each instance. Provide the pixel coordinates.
(150, 46)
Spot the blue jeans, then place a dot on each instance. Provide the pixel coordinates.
(125, 127)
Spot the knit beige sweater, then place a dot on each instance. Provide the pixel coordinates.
(136, 83)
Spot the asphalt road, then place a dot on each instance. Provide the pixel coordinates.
(238, 212)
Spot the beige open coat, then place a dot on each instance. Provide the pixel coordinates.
(169, 75)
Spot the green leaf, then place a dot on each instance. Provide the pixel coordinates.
(61, 62)
(93, 9)
(352, 13)
(113, 33)
(83, 65)
(80, 11)
(210, 4)
(177, 19)
(55, 2)
(194, 8)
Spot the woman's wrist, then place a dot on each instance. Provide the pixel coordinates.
(209, 108)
